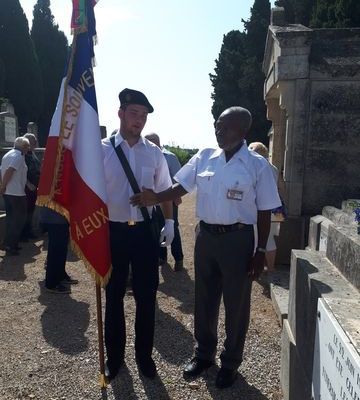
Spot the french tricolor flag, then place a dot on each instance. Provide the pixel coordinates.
(72, 179)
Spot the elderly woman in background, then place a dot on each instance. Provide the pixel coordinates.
(270, 255)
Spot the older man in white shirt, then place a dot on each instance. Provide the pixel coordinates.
(235, 189)
(131, 237)
(13, 181)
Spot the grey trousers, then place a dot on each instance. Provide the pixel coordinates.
(221, 263)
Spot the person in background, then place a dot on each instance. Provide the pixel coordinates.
(56, 278)
(235, 190)
(270, 254)
(13, 181)
(33, 176)
(176, 245)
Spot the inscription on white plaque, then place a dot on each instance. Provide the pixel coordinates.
(336, 368)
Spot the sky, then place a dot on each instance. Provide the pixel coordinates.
(165, 49)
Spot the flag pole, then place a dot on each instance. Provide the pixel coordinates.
(103, 382)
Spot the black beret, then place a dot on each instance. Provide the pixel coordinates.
(130, 96)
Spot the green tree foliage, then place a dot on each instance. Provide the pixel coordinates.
(238, 78)
(2, 78)
(297, 11)
(336, 14)
(51, 47)
(183, 155)
(322, 13)
(22, 83)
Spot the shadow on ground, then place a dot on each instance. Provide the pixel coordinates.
(239, 390)
(12, 267)
(177, 347)
(64, 321)
(178, 285)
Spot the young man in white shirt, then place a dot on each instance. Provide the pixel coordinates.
(131, 238)
(235, 190)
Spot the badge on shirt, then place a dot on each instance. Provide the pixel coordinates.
(234, 194)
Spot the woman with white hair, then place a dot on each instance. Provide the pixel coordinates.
(270, 254)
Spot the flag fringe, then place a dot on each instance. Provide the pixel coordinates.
(46, 201)
(101, 280)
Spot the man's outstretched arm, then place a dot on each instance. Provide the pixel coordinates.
(149, 198)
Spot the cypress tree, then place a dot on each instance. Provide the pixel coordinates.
(238, 78)
(336, 14)
(22, 82)
(297, 11)
(51, 47)
(228, 71)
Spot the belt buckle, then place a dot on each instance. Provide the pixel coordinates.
(131, 223)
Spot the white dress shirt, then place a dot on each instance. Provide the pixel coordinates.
(246, 176)
(15, 159)
(150, 170)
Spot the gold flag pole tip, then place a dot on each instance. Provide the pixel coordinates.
(103, 381)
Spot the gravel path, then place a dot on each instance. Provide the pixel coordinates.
(48, 342)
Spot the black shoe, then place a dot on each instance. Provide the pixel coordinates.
(179, 265)
(196, 366)
(60, 289)
(147, 367)
(111, 372)
(226, 377)
(69, 281)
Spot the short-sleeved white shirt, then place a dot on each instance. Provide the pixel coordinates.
(15, 159)
(247, 174)
(150, 170)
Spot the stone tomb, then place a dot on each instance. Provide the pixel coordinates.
(327, 273)
(311, 92)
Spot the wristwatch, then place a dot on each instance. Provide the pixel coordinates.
(260, 250)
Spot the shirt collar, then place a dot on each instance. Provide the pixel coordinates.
(241, 154)
(119, 139)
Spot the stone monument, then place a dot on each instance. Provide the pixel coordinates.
(311, 92)
(8, 125)
(320, 349)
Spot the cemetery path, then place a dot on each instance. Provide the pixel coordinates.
(48, 342)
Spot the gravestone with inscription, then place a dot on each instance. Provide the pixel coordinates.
(336, 369)
(320, 354)
(8, 125)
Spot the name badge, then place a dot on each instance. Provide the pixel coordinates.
(234, 194)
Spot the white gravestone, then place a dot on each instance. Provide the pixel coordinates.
(10, 129)
(336, 368)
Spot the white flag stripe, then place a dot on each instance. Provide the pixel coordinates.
(87, 151)
(56, 119)
(84, 142)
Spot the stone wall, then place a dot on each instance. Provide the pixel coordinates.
(331, 274)
(311, 91)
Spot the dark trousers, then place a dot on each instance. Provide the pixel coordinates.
(15, 208)
(31, 196)
(58, 239)
(135, 245)
(221, 267)
(176, 246)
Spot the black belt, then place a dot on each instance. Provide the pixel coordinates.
(218, 229)
(128, 223)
